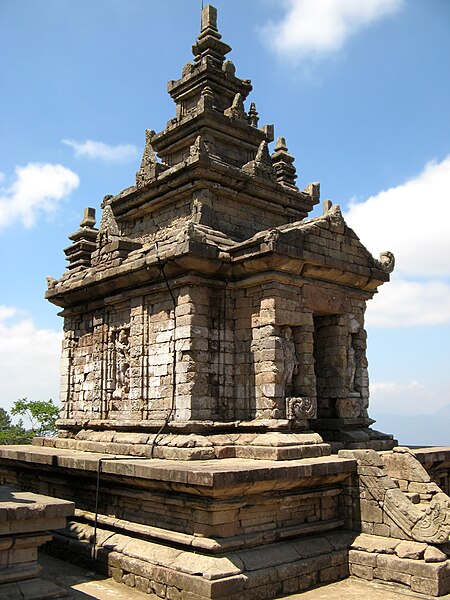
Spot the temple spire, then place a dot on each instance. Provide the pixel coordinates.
(208, 18)
(209, 44)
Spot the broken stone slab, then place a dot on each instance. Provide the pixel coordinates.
(401, 464)
(414, 550)
(375, 543)
(433, 554)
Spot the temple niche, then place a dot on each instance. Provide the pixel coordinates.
(207, 302)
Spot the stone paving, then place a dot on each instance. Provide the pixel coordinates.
(82, 584)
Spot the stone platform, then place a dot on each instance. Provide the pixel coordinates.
(216, 528)
(232, 528)
(25, 521)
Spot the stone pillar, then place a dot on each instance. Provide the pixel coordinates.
(159, 343)
(269, 375)
(195, 397)
(138, 358)
(282, 344)
(354, 405)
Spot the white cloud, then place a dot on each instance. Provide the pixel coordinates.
(399, 219)
(412, 398)
(315, 28)
(403, 303)
(102, 151)
(37, 189)
(412, 220)
(29, 359)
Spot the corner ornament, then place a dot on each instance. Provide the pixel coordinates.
(386, 262)
(299, 409)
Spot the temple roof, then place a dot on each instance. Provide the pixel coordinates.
(210, 193)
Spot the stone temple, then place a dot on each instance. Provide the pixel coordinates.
(214, 364)
(205, 303)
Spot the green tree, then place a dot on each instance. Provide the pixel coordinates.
(5, 420)
(42, 415)
(13, 434)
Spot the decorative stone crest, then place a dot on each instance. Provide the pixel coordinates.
(336, 219)
(253, 115)
(386, 262)
(200, 148)
(262, 165)
(150, 167)
(206, 98)
(236, 110)
(108, 226)
(299, 409)
(84, 242)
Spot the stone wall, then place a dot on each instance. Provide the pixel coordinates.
(405, 522)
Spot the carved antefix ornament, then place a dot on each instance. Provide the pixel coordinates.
(299, 409)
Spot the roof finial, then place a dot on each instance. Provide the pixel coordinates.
(209, 44)
(283, 164)
(253, 115)
(209, 18)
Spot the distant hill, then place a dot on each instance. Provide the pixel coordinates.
(416, 430)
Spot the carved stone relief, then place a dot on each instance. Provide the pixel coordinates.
(121, 363)
(290, 360)
(299, 409)
(351, 364)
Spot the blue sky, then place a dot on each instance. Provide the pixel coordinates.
(360, 91)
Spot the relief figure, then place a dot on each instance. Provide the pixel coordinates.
(351, 364)
(290, 360)
(122, 364)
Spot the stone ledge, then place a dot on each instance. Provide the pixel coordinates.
(27, 512)
(399, 561)
(272, 445)
(211, 474)
(205, 544)
(280, 568)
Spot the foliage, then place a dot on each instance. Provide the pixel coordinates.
(42, 415)
(13, 434)
(5, 419)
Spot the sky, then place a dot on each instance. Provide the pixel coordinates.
(360, 91)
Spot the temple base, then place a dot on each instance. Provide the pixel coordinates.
(217, 529)
(354, 434)
(197, 444)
